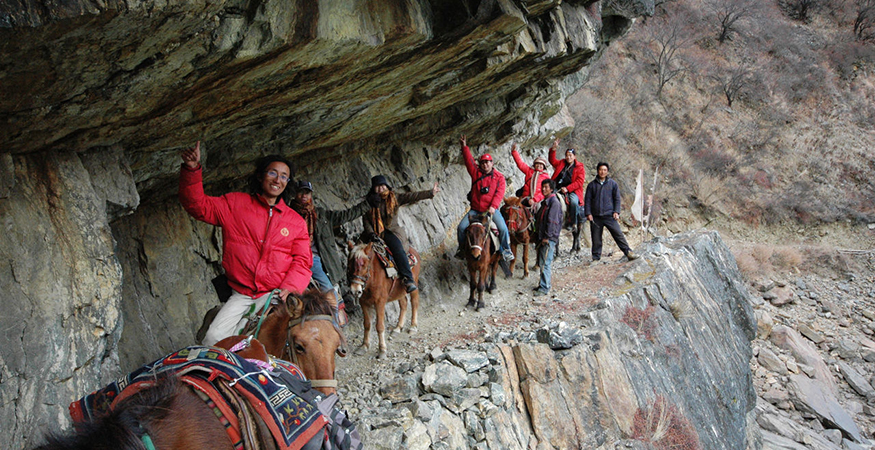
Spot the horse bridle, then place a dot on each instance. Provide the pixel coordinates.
(362, 280)
(482, 243)
(290, 345)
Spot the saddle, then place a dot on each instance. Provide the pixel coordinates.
(251, 401)
(387, 260)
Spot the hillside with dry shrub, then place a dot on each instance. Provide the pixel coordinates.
(742, 114)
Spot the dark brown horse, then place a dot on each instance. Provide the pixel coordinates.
(369, 282)
(519, 219)
(303, 331)
(169, 415)
(482, 258)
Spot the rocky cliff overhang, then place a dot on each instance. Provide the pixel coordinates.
(309, 79)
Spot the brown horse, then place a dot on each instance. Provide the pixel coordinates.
(518, 218)
(482, 260)
(303, 330)
(369, 282)
(169, 415)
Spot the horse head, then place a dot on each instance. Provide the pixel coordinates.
(477, 236)
(304, 330)
(359, 267)
(515, 214)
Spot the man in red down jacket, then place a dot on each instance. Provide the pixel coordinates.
(487, 193)
(570, 177)
(265, 244)
(535, 175)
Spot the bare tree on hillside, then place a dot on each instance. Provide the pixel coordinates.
(864, 20)
(732, 81)
(668, 38)
(802, 10)
(729, 13)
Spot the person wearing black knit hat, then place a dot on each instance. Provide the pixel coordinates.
(382, 221)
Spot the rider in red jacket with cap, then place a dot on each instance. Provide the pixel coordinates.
(570, 177)
(487, 193)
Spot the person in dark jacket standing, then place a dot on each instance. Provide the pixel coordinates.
(265, 245)
(602, 209)
(549, 227)
(382, 221)
(327, 265)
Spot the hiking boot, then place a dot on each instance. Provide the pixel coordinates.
(539, 293)
(632, 256)
(409, 285)
(507, 255)
(459, 254)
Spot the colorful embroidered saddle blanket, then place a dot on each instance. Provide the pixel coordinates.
(387, 260)
(292, 420)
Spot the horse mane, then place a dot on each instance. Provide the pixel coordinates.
(359, 252)
(316, 303)
(122, 427)
(513, 201)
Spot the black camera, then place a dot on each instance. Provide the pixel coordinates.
(484, 190)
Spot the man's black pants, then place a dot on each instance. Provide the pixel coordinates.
(398, 253)
(596, 228)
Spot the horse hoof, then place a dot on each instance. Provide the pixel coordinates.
(471, 304)
(480, 305)
(360, 351)
(396, 331)
(381, 355)
(412, 330)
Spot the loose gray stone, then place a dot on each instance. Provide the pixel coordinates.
(560, 337)
(813, 397)
(770, 361)
(444, 378)
(834, 436)
(857, 382)
(806, 330)
(400, 390)
(469, 360)
(848, 349)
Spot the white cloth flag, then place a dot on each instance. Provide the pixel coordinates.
(638, 205)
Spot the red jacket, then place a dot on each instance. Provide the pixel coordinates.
(528, 189)
(263, 247)
(578, 176)
(494, 181)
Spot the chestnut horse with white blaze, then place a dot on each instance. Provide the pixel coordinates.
(369, 282)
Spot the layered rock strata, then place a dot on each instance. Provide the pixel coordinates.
(106, 271)
(663, 362)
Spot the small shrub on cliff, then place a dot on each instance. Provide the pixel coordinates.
(662, 425)
(786, 258)
(641, 320)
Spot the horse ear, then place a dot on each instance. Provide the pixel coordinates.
(295, 306)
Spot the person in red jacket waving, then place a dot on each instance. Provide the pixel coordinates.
(487, 193)
(265, 244)
(535, 175)
(570, 177)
